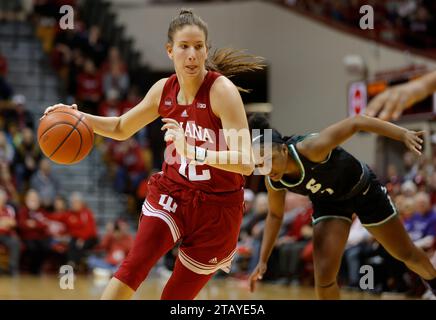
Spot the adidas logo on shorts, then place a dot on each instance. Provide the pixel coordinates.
(213, 260)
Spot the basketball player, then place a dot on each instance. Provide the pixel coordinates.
(391, 103)
(198, 203)
(338, 186)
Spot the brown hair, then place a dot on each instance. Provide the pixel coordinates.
(226, 61)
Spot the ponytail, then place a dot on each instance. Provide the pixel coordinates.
(230, 62)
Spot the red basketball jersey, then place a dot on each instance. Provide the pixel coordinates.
(202, 127)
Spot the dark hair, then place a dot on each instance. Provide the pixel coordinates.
(226, 61)
(260, 122)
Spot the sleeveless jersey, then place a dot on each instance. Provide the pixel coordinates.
(333, 179)
(202, 128)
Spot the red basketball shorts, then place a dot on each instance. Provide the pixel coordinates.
(206, 225)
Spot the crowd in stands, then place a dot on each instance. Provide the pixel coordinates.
(96, 77)
(410, 22)
(39, 229)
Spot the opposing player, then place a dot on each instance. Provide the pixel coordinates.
(338, 186)
(195, 200)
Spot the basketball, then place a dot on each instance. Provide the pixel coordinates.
(65, 136)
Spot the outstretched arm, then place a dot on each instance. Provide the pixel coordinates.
(317, 148)
(393, 101)
(126, 125)
(276, 200)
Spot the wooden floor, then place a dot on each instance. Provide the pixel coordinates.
(87, 287)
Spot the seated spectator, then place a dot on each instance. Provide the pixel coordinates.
(114, 247)
(116, 79)
(45, 183)
(422, 225)
(82, 228)
(358, 244)
(27, 157)
(89, 87)
(7, 151)
(133, 98)
(291, 244)
(254, 227)
(58, 229)
(8, 235)
(111, 107)
(3, 66)
(22, 115)
(5, 89)
(7, 183)
(32, 226)
(94, 46)
(113, 58)
(127, 159)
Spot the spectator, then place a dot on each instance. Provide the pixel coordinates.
(7, 151)
(292, 243)
(22, 117)
(409, 188)
(89, 87)
(26, 160)
(110, 107)
(45, 183)
(58, 229)
(3, 66)
(32, 225)
(8, 235)
(82, 228)
(115, 246)
(128, 160)
(94, 46)
(7, 183)
(422, 225)
(254, 227)
(358, 246)
(116, 79)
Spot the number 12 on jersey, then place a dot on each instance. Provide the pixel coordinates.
(190, 171)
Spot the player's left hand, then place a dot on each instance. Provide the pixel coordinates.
(176, 134)
(413, 140)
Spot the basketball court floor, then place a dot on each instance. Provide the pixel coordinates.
(47, 287)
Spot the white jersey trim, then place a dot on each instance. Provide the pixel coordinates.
(149, 210)
(202, 268)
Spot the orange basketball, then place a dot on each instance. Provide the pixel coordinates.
(65, 136)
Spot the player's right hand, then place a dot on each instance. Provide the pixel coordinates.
(390, 104)
(59, 105)
(257, 274)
